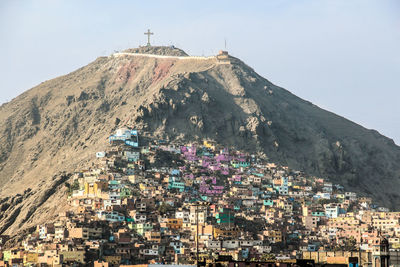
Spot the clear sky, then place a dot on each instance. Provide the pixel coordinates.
(342, 55)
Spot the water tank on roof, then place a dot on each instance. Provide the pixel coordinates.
(101, 154)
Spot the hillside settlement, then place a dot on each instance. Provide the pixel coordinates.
(171, 203)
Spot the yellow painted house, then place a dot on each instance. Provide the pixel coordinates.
(95, 189)
(31, 257)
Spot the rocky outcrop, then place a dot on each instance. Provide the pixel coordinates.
(157, 50)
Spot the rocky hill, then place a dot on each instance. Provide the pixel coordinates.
(157, 50)
(57, 126)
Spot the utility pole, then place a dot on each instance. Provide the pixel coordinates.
(197, 236)
(229, 219)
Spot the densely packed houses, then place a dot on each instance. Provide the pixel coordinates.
(182, 203)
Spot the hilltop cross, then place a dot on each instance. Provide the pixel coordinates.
(148, 33)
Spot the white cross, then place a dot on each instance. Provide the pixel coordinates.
(148, 33)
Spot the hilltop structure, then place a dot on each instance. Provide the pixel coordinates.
(148, 33)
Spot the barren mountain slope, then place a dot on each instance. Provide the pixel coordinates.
(56, 127)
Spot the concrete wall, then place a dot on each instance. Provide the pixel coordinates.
(366, 257)
(161, 56)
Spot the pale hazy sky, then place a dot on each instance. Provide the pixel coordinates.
(342, 55)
